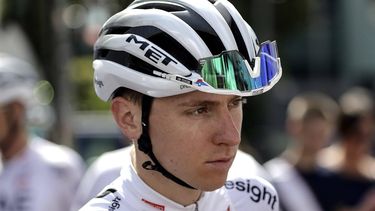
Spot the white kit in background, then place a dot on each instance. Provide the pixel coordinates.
(43, 177)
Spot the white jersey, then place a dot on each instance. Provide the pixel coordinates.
(242, 191)
(247, 185)
(101, 173)
(41, 178)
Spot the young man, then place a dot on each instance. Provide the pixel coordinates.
(176, 73)
(35, 175)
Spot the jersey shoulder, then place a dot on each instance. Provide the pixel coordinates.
(252, 193)
(109, 199)
(245, 165)
(104, 170)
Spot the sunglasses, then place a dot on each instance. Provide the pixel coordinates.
(230, 73)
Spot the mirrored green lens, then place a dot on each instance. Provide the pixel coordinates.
(229, 70)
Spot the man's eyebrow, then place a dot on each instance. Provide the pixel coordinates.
(197, 103)
(204, 102)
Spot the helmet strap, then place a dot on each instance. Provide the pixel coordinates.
(145, 145)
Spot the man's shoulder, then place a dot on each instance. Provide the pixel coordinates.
(245, 165)
(252, 193)
(105, 169)
(111, 198)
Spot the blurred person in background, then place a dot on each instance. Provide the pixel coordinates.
(35, 174)
(176, 73)
(349, 157)
(296, 174)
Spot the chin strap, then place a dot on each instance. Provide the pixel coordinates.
(144, 144)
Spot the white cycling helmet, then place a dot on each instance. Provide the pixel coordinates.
(168, 47)
(17, 80)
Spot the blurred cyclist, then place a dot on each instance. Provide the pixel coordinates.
(349, 157)
(296, 174)
(35, 175)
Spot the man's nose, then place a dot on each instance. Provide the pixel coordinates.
(228, 129)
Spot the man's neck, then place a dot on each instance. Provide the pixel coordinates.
(163, 185)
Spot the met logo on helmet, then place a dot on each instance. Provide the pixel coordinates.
(151, 52)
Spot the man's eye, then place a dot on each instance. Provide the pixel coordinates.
(237, 102)
(199, 111)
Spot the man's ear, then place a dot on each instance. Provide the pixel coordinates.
(127, 115)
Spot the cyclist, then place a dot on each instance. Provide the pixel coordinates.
(176, 73)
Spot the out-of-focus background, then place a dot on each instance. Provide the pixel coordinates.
(325, 46)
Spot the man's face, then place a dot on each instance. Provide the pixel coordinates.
(195, 136)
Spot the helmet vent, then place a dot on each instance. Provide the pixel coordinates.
(166, 6)
(115, 30)
(236, 32)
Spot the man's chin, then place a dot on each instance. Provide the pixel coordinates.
(212, 185)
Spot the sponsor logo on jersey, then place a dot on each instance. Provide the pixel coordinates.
(257, 192)
(154, 205)
(105, 193)
(115, 204)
